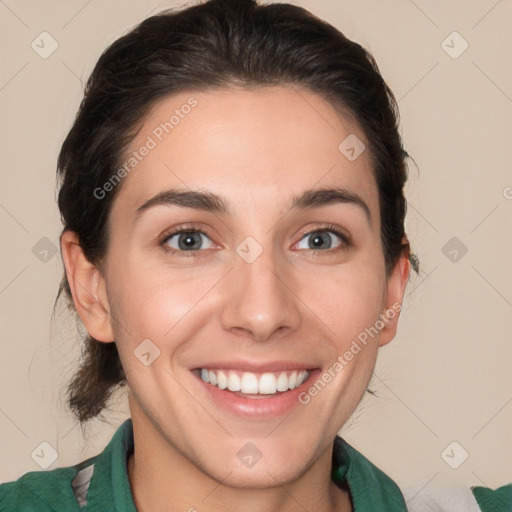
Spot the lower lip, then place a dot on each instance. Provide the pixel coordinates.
(262, 406)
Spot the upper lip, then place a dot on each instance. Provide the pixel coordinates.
(255, 367)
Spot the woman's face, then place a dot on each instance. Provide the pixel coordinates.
(260, 266)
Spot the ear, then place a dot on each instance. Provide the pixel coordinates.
(88, 289)
(396, 284)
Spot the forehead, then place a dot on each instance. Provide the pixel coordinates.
(253, 146)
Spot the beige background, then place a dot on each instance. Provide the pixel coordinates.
(446, 377)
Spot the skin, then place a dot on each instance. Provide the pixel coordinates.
(257, 149)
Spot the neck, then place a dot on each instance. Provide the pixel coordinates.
(161, 478)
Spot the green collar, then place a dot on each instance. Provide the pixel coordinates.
(110, 487)
(370, 488)
(498, 500)
(101, 483)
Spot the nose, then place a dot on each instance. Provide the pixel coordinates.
(259, 301)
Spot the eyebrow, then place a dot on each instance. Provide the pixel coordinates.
(323, 197)
(210, 202)
(205, 201)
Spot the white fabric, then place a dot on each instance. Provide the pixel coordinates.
(441, 498)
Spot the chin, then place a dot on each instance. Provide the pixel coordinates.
(260, 476)
(260, 463)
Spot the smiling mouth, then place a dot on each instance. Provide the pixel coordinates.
(250, 384)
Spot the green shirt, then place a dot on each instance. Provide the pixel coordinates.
(100, 484)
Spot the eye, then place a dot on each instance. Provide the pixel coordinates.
(188, 241)
(321, 240)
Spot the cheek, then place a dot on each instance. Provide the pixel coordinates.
(347, 301)
(152, 302)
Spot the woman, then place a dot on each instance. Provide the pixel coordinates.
(232, 198)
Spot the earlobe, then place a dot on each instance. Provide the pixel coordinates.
(396, 284)
(88, 289)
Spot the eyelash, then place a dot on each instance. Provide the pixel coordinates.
(345, 239)
(178, 231)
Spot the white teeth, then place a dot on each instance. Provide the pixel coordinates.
(233, 382)
(292, 380)
(222, 380)
(249, 383)
(268, 384)
(282, 382)
(301, 377)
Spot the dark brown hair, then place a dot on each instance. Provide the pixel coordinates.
(219, 43)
